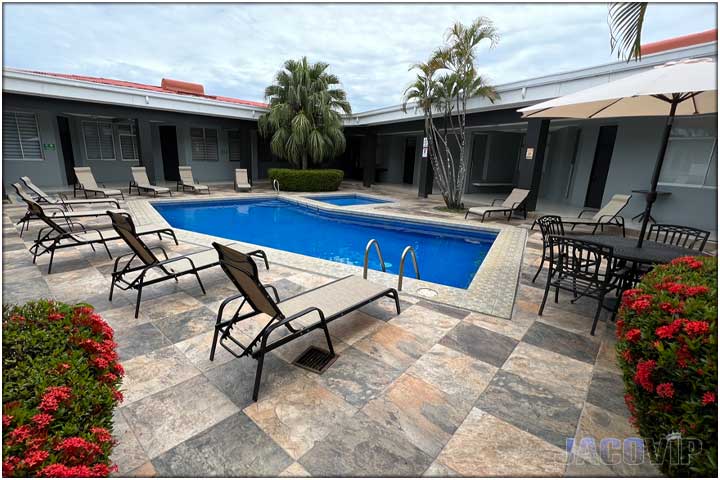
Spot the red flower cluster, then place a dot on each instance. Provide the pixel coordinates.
(669, 331)
(689, 262)
(665, 390)
(697, 328)
(633, 335)
(76, 450)
(53, 397)
(672, 309)
(708, 398)
(643, 373)
(57, 470)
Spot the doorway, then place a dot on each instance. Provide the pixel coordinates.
(66, 149)
(409, 163)
(169, 150)
(601, 166)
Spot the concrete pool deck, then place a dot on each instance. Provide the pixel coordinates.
(436, 391)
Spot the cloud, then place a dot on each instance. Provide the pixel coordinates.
(235, 49)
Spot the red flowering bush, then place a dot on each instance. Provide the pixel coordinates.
(667, 349)
(60, 385)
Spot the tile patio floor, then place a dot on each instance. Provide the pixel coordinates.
(434, 391)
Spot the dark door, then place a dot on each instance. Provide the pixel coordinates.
(409, 163)
(601, 165)
(169, 150)
(66, 148)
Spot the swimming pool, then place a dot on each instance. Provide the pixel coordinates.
(446, 255)
(347, 200)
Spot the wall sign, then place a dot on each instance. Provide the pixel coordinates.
(529, 153)
(425, 148)
(48, 146)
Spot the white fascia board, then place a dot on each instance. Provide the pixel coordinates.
(68, 89)
(527, 92)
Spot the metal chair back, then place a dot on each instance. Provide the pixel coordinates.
(86, 178)
(140, 176)
(41, 195)
(186, 175)
(123, 224)
(679, 236)
(582, 260)
(613, 208)
(516, 198)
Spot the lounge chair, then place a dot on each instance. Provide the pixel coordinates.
(299, 315)
(150, 269)
(514, 202)
(242, 184)
(86, 182)
(140, 182)
(54, 211)
(606, 216)
(187, 181)
(62, 200)
(54, 237)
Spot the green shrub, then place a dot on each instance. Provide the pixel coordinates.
(667, 349)
(60, 386)
(291, 180)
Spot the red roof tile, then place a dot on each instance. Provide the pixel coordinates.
(172, 84)
(679, 42)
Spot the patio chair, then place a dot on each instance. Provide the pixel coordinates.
(242, 184)
(298, 315)
(607, 215)
(141, 182)
(582, 267)
(62, 200)
(187, 181)
(150, 269)
(549, 225)
(54, 237)
(54, 211)
(679, 236)
(514, 202)
(86, 182)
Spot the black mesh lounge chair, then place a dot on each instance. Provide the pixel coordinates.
(188, 182)
(298, 315)
(54, 211)
(514, 202)
(141, 183)
(61, 200)
(149, 269)
(86, 182)
(55, 237)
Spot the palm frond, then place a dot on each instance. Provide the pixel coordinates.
(626, 23)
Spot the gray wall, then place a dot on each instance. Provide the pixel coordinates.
(558, 164)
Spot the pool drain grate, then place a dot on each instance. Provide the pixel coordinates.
(315, 359)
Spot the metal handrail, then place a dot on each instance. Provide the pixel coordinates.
(402, 265)
(276, 185)
(367, 252)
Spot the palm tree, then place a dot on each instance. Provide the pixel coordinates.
(304, 122)
(444, 85)
(626, 23)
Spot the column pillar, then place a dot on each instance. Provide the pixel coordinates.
(145, 147)
(253, 155)
(425, 182)
(370, 156)
(532, 159)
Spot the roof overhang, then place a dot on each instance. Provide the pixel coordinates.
(26, 83)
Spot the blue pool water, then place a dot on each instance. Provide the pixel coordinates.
(346, 200)
(449, 256)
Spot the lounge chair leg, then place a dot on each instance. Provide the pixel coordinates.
(258, 373)
(137, 302)
(215, 336)
(52, 255)
(396, 297)
(107, 249)
(597, 317)
(200, 283)
(112, 288)
(542, 262)
(466, 214)
(545, 295)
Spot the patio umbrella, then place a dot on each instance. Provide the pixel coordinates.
(687, 87)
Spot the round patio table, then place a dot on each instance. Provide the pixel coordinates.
(626, 249)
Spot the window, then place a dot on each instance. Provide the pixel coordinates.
(204, 144)
(99, 141)
(128, 142)
(21, 136)
(235, 145)
(691, 157)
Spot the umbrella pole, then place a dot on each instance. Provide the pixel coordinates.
(652, 194)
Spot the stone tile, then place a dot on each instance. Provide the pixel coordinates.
(236, 378)
(531, 408)
(384, 308)
(607, 356)
(427, 324)
(513, 328)
(308, 280)
(607, 391)
(168, 305)
(127, 453)
(364, 448)
(287, 289)
(485, 446)
(420, 412)
(197, 351)
(292, 350)
(155, 371)
(183, 325)
(123, 317)
(358, 377)
(567, 377)
(139, 340)
(394, 345)
(448, 310)
(479, 343)
(299, 414)
(170, 417)
(460, 376)
(235, 447)
(578, 467)
(438, 470)
(573, 345)
(294, 471)
(354, 326)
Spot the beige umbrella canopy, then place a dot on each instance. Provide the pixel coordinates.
(687, 87)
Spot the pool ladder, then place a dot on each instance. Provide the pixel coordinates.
(409, 249)
(276, 186)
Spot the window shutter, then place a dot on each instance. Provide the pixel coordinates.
(11, 140)
(21, 136)
(204, 143)
(198, 144)
(211, 145)
(128, 142)
(107, 143)
(235, 146)
(92, 140)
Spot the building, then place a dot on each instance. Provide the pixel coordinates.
(52, 122)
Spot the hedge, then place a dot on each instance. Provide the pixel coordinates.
(291, 180)
(60, 385)
(667, 349)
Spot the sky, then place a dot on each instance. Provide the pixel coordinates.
(236, 49)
